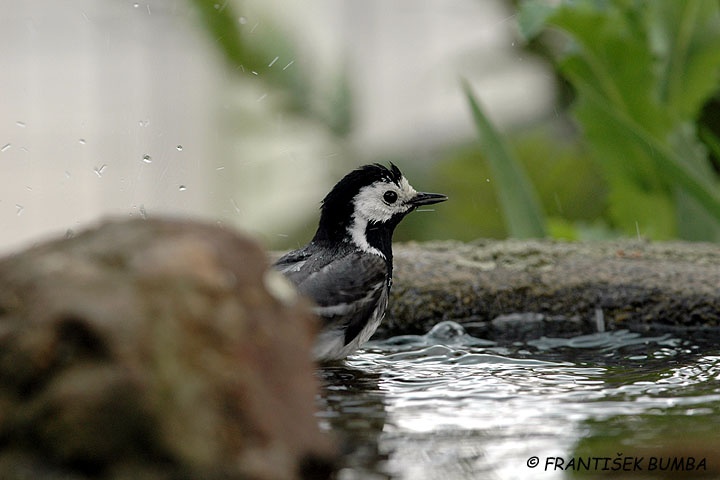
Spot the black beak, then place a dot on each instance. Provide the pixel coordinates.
(427, 199)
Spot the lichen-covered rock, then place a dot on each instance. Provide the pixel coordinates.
(156, 350)
(560, 288)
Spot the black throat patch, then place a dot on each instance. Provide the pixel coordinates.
(379, 236)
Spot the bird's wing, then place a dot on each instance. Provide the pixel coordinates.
(340, 278)
(346, 286)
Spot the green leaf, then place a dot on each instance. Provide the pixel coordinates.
(648, 214)
(614, 59)
(711, 140)
(257, 53)
(221, 25)
(642, 69)
(672, 166)
(694, 221)
(519, 202)
(686, 41)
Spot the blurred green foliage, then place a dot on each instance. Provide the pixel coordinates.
(253, 53)
(643, 79)
(227, 28)
(569, 186)
(642, 71)
(640, 158)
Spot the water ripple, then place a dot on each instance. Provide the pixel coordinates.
(448, 405)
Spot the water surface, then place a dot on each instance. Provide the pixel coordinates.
(448, 405)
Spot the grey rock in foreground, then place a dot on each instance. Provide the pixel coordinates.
(155, 350)
(515, 290)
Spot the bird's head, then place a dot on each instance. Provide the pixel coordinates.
(367, 203)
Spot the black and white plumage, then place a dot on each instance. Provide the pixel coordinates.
(347, 267)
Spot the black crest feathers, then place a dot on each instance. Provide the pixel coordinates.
(337, 207)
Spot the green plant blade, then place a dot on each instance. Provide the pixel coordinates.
(522, 211)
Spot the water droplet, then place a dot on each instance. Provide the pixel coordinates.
(69, 233)
(242, 20)
(182, 188)
(273, 61)
(20, 124)
(19, 209)
(136, 5)
(67, 174)
(487, 180)
(147, 158)
(100, 170)
(82, 141)
(143, 212)
(6, 147)
(144, 123)
(220, 168)
(179, 148)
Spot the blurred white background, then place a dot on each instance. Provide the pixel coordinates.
(126, 107)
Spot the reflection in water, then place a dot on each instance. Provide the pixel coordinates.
(353, 408)
(447, 405)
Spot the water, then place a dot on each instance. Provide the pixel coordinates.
(447, 405)
(100, 170)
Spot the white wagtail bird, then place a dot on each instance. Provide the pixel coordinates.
(347, 267)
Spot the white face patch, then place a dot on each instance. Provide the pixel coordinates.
(373, 203)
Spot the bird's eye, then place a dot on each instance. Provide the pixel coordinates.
(390, 196)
